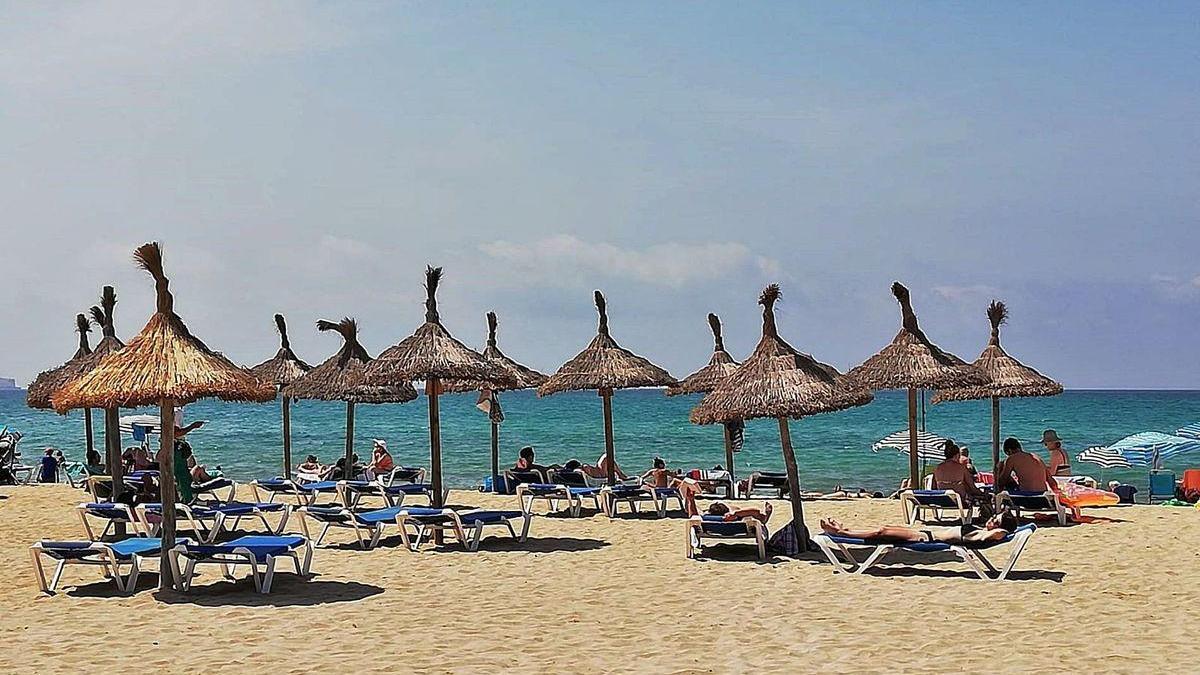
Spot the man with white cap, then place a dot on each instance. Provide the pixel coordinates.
(1060, 464)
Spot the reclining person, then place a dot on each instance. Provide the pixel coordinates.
(996, 529)
(690, 489)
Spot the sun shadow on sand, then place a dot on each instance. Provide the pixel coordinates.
(212, 590)
(735, 553)
(1015, 575)
(496, 544)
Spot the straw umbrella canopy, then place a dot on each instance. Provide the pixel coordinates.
(911, 361)
(779, 381)
(719, 367)
(280, 371)
(606, 366)
(522, 376)
(165, 365)
(1008, 377)
(342, 377)
(432, 354)
(49, 381)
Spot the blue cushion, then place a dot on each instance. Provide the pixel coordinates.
(260, 546)
(725, 529)
(934, 498)
(408, 488)
(488, 516)
(319, 486)
(378, 516)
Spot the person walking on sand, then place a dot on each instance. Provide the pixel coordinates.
(1060, 464)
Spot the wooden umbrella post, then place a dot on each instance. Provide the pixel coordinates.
(913, 478)
(89, 439)
(166, 483)
(432, 387)
(495, 455)
(793, 474)
(996, 432)
(112, 458)
(609, 449)
(348, 465)
(287, 436)
(729, 460)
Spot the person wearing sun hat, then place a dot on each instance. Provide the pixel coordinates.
(381, 460)
(1060, 464)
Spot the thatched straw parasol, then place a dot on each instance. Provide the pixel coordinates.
(719, 367)
(167, 365)
(433, 355)
(778, 381)
(50, 381)
(523, 376)
(605, 366)
(912, 362)
(280, 371)
(1008, 377)
(342, 377)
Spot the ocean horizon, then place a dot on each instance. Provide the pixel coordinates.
(832, 449)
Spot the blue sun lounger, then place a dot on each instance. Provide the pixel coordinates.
(553, 493)
(350, 492)
(368, 526)
(633, 494)
(111, 513)
(255, 551)
(971, 554)
(425, 521)
(208, 520)
(1037, 502)
(304, 493)
(111, 557)
(915, 503)
(704, 527)
(210, 488)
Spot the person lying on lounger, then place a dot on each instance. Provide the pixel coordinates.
(690, 489)
(600, 470)
(997, 528)
(312, 467)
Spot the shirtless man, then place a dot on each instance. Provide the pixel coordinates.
(953, 474)
(690, 489)
(659, 476)
(1022, 470)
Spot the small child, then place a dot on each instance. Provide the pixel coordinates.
(49, 464)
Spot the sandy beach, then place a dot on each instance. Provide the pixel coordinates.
(595, 595)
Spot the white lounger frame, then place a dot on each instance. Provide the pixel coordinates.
(647, 494)
(368, 536)
(136, 525)
(757, 532)
(560, 493)
(208, 535)
(455, 526)
(914, 510)
(974, 557)
(230, 560)
(350, 496)
(1005, 500)
(105, 558)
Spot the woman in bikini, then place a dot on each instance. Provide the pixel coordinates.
(996, 529)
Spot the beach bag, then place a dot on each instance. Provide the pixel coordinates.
(7, 477)
(784, 541)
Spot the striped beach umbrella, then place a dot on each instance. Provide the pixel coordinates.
(1190, 431)
(1104, 457)
(1151, 448)
(930, 446)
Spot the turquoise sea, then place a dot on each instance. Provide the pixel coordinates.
(244, 439)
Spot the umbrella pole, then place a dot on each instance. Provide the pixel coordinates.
(995, 431)
(287, 436)
(913, 477)
(112, 458)
(793, 474)
(89, 439)
(495, 455)
(166, 486)
(729, 460)
(609, 450)
(432, 387)
(348, 463)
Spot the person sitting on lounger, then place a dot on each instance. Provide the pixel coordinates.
(1023, 470)
(690, 489)
(312, 467)
(996, 529)
(338, 472)
(953, 474)
(659, 476)
(527, 461)
(381, 461)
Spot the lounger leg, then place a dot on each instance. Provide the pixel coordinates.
(689, 548)
(838, 565)
(39, 571)
(132, 579)
(761, 540)
(324, 531)
(525, 528)
(404, 536)
(268, 576)
(476, 535)
(303, 568)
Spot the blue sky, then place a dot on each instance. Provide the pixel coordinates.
(310, 158)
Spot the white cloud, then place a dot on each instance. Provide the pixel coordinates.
(671, 264)
(966, 293)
